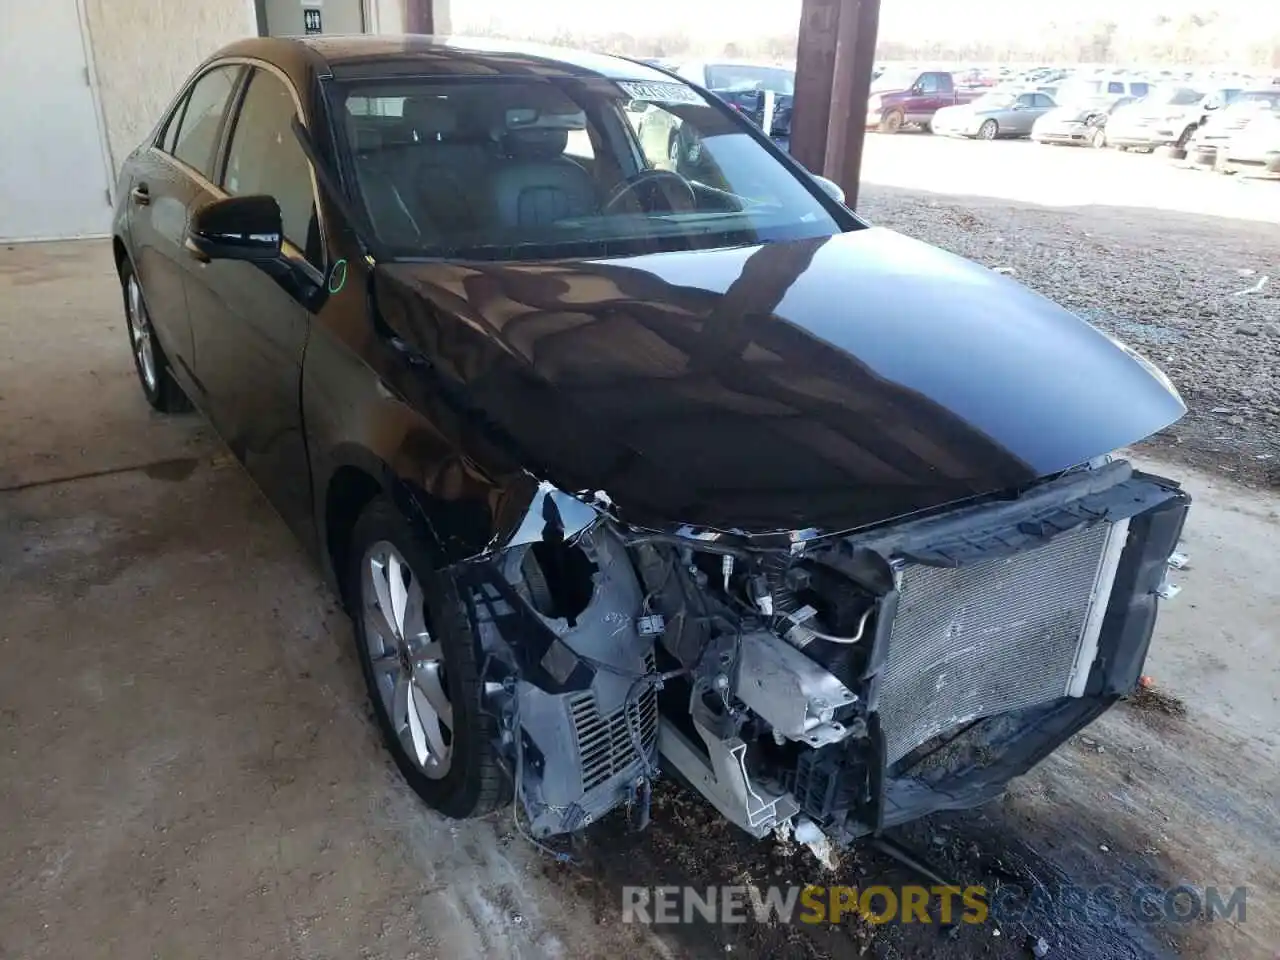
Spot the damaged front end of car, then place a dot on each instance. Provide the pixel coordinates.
(827, 684)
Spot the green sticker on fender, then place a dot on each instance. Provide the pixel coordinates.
(338, 276)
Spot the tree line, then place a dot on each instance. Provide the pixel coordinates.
(1208, 38)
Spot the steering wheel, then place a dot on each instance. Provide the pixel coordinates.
(652, 180)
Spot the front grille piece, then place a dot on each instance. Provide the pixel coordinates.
(606, 747)
(993, 636)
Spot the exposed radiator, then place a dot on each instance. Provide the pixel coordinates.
(994, 636)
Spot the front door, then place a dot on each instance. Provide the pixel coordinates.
(251, 329)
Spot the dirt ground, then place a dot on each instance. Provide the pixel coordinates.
(187, 768)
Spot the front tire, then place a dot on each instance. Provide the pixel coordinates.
(419, 659)
(892, 121)
(1099, 139)
(988, 130)
(152, 365)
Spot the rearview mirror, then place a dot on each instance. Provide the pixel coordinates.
(830, 188)
(236, 228)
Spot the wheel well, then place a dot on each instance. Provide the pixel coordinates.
(350, 490)
(119, 251)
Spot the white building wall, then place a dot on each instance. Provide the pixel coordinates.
(144, 49)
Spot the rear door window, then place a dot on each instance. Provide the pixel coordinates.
(196, 139)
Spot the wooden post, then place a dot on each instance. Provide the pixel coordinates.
(834, 60)
(815, 70)
(851, 86)
(418, 16)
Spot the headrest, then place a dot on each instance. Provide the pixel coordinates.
(535, 143)
(430, 117)
(365, 140)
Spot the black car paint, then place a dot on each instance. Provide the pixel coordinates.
(817, 383)
(824, 383)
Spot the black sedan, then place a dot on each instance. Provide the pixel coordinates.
(626, 460)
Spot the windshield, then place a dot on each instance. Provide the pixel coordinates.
(1174, 97)
(1256, 100)
(895, 80)
(733, 76)
(515, 168)
(995, 101)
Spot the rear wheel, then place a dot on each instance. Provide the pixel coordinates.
(988, 130)
(149, 359)
(892, 121)
(418, 655)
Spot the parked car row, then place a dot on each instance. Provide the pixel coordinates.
(1229, 127)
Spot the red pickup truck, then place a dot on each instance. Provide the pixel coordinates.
(899, 98)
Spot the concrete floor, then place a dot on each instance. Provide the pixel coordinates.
(186, 767)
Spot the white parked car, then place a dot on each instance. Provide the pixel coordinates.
(1082, 124)
(1169, 117)
(1209, 142)
(1256, 148)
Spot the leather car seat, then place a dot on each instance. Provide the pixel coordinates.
(536, 184)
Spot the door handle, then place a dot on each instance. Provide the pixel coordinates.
(140, 195)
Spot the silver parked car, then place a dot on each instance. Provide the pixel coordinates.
(994, 115)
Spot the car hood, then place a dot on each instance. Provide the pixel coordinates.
(824, 383)
(1153, 112)
(1077, 114)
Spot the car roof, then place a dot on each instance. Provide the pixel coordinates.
(364, 56)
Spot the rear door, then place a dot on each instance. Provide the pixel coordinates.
(250, 328)
(171, 178)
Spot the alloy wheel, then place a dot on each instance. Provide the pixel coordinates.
(140, 335)
(987, 131)
(408, 663)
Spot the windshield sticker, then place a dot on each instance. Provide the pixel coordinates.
(659, 92)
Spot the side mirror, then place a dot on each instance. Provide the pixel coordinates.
(236, 228)
(830, 188)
